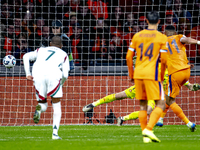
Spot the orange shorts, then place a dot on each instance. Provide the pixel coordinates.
(175, 81)
(149, 90)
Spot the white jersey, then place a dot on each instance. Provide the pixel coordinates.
(49, 61)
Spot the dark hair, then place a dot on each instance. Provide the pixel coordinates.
(56, 40)
(153, 17)
(170, 28)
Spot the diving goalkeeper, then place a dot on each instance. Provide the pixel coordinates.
(130, 93)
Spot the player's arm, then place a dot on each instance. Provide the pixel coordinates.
(189, 40)
(129, 57)
(31, 56)
(129, 60)
(65, 69)
(163, 56)
(163, 59)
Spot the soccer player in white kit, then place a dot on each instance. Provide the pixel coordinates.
(49, 73)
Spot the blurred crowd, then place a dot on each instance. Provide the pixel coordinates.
(94, 32)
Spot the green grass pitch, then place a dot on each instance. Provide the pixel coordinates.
(97, 137)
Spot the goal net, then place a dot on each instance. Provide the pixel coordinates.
(96, 35)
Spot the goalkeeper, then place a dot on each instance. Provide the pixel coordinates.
(130, 93)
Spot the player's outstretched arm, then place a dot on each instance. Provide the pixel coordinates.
(189, 40)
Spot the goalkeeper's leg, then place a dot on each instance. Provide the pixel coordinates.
(128, 93)
(106, 99)
(135, 115)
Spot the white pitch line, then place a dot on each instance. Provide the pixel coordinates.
(114, 137)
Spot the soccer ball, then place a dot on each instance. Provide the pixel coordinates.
(9, 61)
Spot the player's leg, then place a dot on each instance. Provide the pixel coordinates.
(154, 90)
(41, 98)
(176, 80)
(160, 121)
(141, 95)
(41, 107)
(179, 112)
(55, 92)
(143, 114)
(56, 117)
(107, 99)
(150, 106)
(134, 115)
(192, 87)
(154, 116)
(130, 93)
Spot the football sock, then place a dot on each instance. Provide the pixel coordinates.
(106, 99)
(155, 115)
(165, 111)
(143, 119)
(43, 106)
(179, 112)
(132, 116)
(56, 117)
(189, 124)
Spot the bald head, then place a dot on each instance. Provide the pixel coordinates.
(56, 41)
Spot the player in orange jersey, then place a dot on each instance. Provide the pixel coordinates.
(178, 70)
(149, 44)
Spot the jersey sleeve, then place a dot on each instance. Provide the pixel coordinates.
(129, 61)
(164, 44)
(65, 67)
(132, 45)
(31, 56)
(181, 36)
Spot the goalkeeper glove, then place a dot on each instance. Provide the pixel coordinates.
(196, 87)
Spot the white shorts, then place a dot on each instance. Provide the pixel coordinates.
(47, 86)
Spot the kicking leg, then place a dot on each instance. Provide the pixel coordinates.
(41, 107)
(179, 112)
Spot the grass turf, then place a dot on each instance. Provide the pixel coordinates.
(97, 137)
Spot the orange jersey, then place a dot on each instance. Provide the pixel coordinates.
(148, 44)
(177, 59)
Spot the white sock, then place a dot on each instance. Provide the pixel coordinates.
(43, 106)
(56, 117)
(160, 119)
(189, 124)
